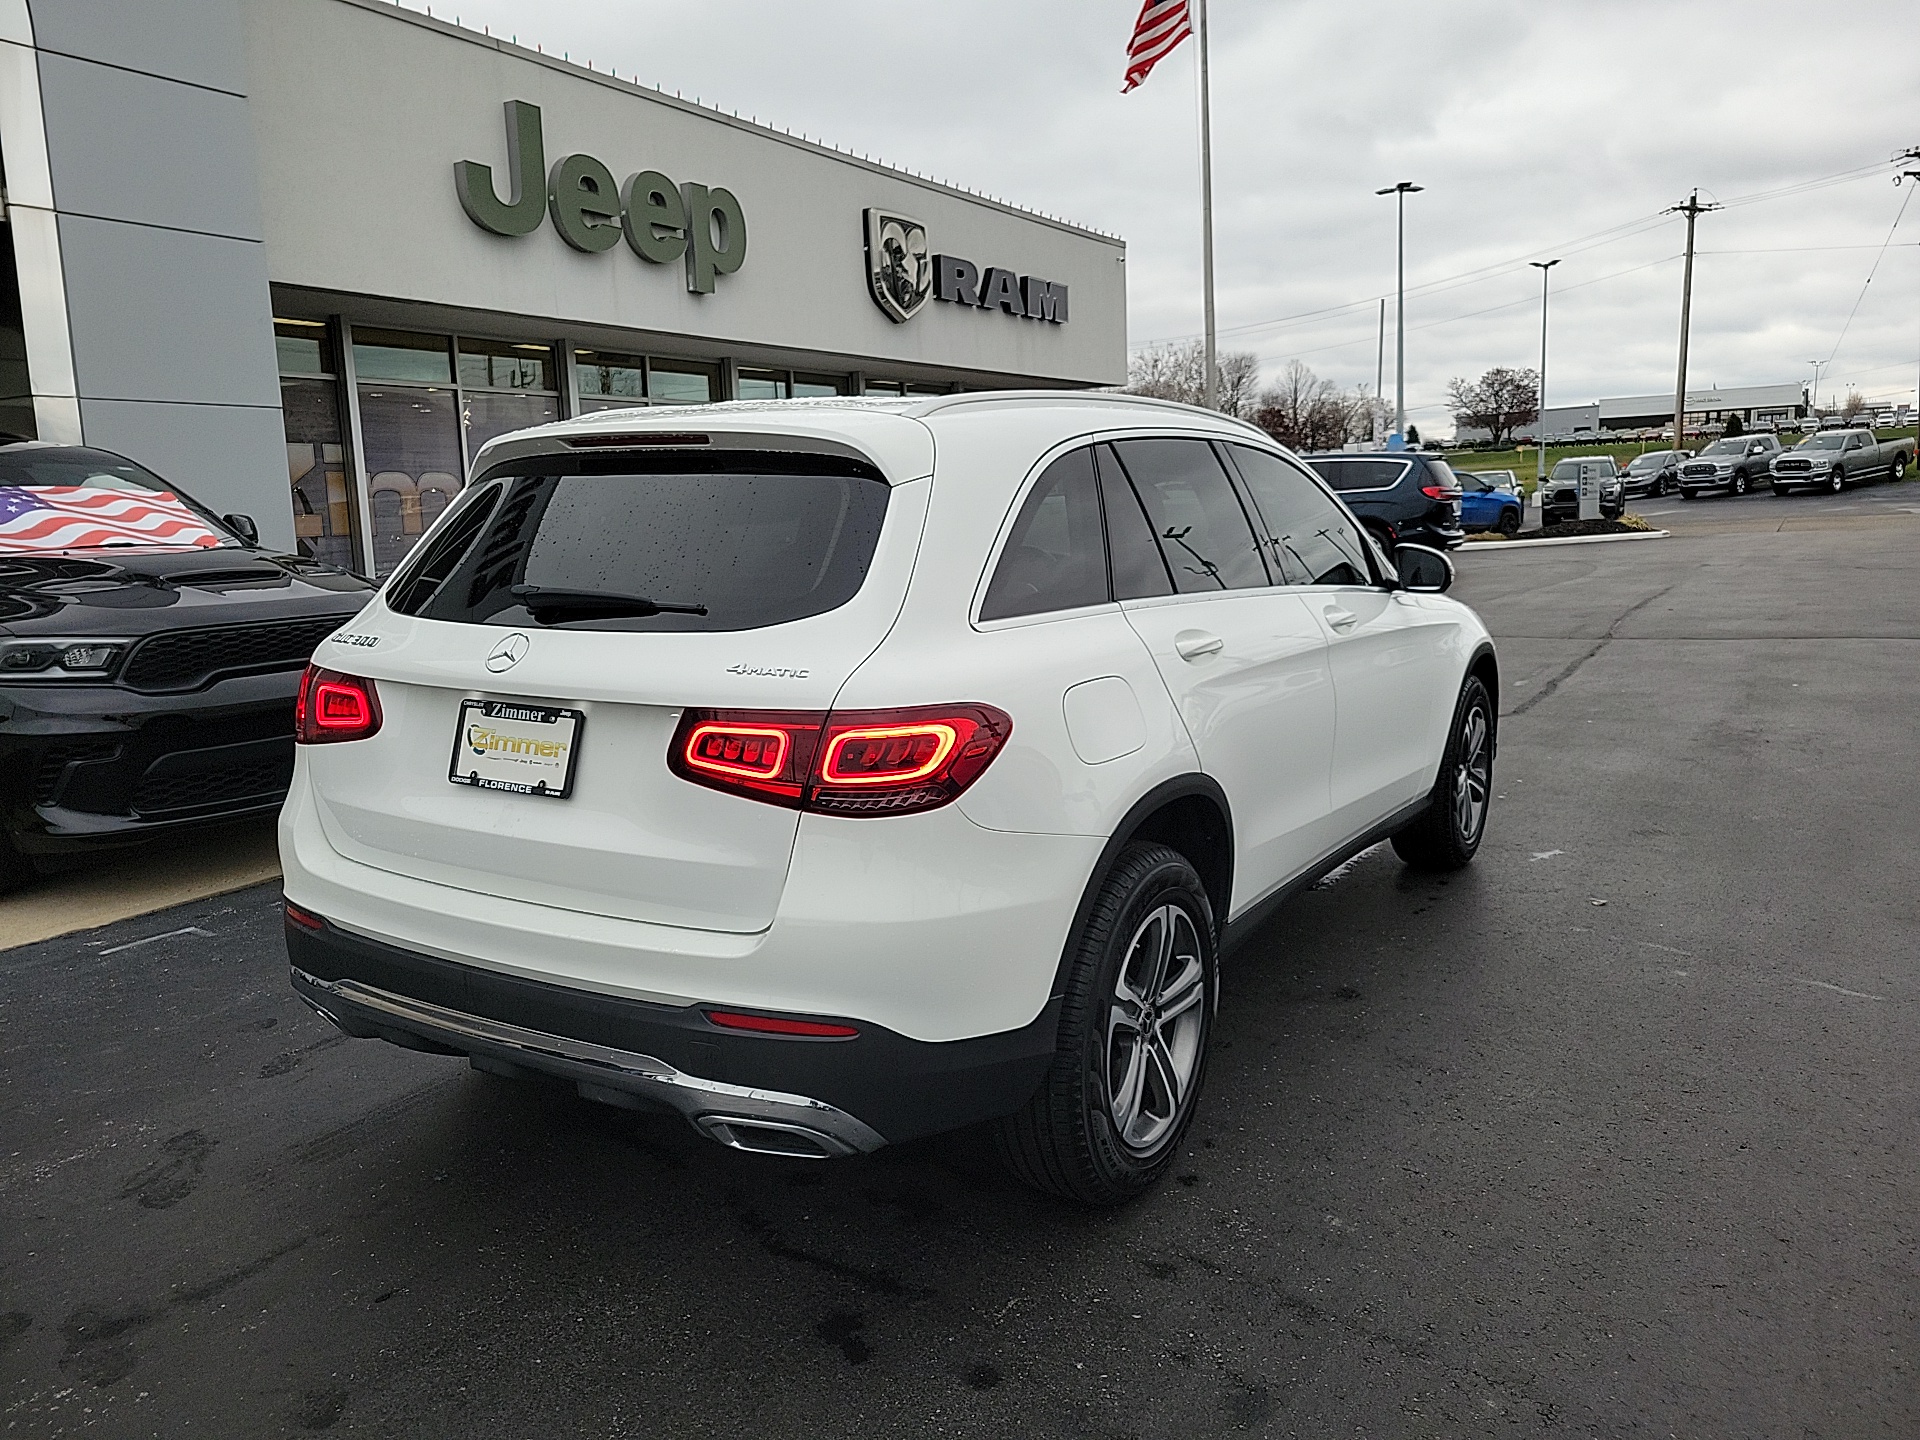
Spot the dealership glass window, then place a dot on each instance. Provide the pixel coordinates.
(808, 386)
(756, 384)
(682, 382)
(401, 355)
(885, 387)
(316, 442)
(506, 365)
(604, 380)
(411, 438)
(484, 415)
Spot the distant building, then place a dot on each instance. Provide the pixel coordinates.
(1707, 409)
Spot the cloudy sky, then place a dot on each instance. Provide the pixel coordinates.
(1540, 128)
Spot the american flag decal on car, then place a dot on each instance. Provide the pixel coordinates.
(72, 517)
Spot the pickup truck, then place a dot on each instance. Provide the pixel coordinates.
(1733, 465)
(1560, 495)
(1835, 459)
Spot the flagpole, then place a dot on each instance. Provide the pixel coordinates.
(1206, 208)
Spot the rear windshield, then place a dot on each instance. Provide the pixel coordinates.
(55, 499)
(1356, 474)
(722, 541)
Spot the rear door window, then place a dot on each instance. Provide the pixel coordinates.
(720, 541)
(1055, 557)
(1344, 474)
(1311, 539)
(1203, 532)
(1133, 555)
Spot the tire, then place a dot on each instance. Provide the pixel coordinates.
(1509, 522)
(1449, 830)
(1740, 482)
(1836, 481)
(1898, 471)
(1106, 1122)
(1380, 536)
(1659, 487)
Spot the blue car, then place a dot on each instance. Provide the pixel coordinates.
(1490, 500)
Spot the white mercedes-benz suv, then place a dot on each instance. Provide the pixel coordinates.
(838, 772)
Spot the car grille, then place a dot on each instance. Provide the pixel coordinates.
(51, 770)
(179, 784)
(1697, 472)
(1793, 467)
(188, 659)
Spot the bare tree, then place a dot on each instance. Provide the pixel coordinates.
(1856, 402)
(1304, 412)
(1498, 402)
(1179, 372)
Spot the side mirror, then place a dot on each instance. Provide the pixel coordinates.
(243, 526)
(1423, 569)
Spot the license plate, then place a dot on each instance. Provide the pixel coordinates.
(526, 749)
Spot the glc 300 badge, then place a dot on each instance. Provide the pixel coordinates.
(508, 653)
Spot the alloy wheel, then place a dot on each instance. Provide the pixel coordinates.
(1473, 776)
(1155, 1024)
(1836, 482)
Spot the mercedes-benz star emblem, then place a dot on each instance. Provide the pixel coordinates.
(508, 653)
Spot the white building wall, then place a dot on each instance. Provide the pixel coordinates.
(361, 112)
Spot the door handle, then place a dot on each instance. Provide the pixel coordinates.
(1340, 619)
(1192, 644)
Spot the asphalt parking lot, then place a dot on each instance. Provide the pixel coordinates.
(1611, 1135)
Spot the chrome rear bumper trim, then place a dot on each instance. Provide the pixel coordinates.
(603, 1067)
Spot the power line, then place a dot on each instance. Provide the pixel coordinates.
(1870, 274)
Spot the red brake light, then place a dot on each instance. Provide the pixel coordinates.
(849, 762)
(332, 706)
(1440, 492)
(779, 1025)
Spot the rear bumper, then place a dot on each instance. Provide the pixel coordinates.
(814, 1098)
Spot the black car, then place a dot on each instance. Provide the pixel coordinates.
(150, 653)
(1401, 496)
(1654, 473)
(1560, 493)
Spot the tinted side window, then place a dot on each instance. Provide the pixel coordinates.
(1203, 532)
(1312, 540)
(1360, 474)
(1132, 556)
(1055, 558)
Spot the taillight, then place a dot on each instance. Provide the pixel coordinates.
(304, 919)
(1439, 492)
(332, 706)
(847, 762)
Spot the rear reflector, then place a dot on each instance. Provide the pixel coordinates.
(847, 762)
(299, 917)
(778, 1025)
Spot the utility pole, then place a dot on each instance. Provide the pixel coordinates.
(1693, 210)
(1400, 193)
(1540, 435)
(1813, 395)
(1206, 207)
(1911, 153)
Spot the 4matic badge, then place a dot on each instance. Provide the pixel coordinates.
(771, 672)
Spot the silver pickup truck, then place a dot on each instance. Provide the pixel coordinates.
(1733, 465)
(1835, 459)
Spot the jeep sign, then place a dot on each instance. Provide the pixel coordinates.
(660, 222)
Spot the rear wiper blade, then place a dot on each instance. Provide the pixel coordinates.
(542, 602)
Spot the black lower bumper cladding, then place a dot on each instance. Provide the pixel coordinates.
(790, 1094)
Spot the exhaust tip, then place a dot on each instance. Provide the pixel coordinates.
(771, 1137)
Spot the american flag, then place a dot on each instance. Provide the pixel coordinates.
(78, 517)
(1162, 25)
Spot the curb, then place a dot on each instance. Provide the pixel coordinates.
(1488, 546)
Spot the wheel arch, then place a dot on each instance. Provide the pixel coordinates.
(1188, 813)
(1485, 666)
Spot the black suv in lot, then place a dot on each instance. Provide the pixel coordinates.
(1401, 496)
(150, 653)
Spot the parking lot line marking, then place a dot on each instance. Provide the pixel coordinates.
(163, 935)
(1838, 989)
(1547, 854)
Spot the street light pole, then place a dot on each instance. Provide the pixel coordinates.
(1400, 193)
(1540, 437)
(1813, 396)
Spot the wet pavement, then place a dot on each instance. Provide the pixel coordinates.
(1610, 1135)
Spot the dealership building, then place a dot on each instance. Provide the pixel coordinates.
(1707, 409)
(304, 257)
